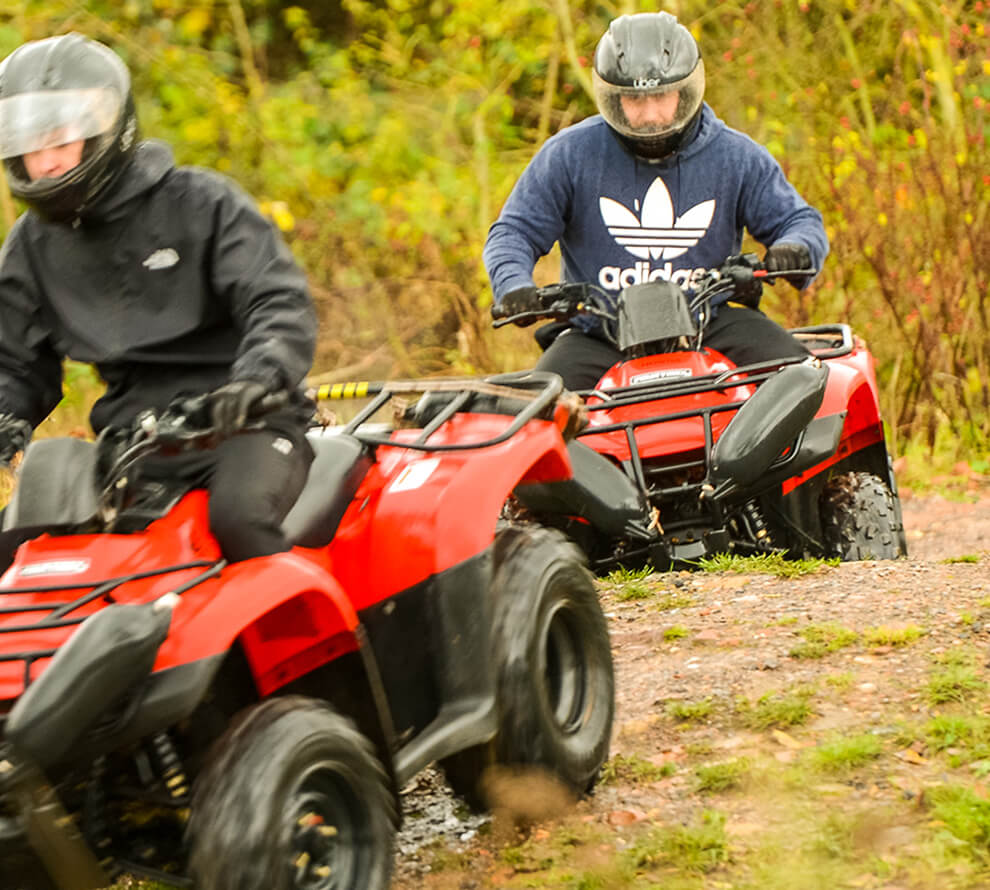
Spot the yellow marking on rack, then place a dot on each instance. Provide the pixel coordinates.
(357, 390)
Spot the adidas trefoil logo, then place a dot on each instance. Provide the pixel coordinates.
(656, 234)
(163, 258)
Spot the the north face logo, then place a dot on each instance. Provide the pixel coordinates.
(163, 258)
(656, 234)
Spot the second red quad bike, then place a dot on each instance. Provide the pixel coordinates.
(785, 456)
(248, 726)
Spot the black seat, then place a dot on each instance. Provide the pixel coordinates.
(339, 465)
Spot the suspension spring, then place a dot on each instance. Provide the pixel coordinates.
(171, 766)
(96, 827)
(753, 517)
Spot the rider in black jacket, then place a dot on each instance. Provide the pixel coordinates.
(166, 278)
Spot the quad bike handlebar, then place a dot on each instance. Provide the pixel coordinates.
(185, 425)
(739, 279)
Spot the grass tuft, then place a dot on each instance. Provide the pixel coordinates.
(892, 636)
(728, 774)
(764, 563)
(699, 847)
(956, 679)
(843, 754)
(690, 712)
(776, 710)
(821, 639)
(633, 768)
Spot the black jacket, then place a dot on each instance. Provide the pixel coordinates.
(173, 284)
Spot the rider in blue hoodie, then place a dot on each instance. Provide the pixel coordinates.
(655, 186)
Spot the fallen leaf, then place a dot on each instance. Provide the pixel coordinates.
(788, 741)
(909, 755)
(623, 817)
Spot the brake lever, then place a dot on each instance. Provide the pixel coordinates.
(771, 277)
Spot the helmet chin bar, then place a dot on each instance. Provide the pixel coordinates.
(657, 148)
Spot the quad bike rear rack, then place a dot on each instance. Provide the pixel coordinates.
(526, 396)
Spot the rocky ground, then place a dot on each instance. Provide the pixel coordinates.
(715, 640)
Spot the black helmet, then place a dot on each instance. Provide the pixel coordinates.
(644, 55)
(61, 90)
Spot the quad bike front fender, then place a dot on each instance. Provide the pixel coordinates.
(418, 514)
(851, 392)
(287, 612)
(770, 421)
(109, 654)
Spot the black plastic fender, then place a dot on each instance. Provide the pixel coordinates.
(767, 424)
(110, 653)
(599, 492)
(56, 485)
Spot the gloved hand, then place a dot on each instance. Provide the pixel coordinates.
(740, 268)
(522, 299)
(788, 255)
(14, 436)
(231, 405)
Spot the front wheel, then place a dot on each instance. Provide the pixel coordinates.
(293, 799)
(555, 683)
(861, 519)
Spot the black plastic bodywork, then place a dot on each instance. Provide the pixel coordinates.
(653, 318)
(599, 493)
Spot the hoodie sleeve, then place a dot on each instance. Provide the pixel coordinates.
(533, 218)
(773, 211)
(266, 289)
(30, 368)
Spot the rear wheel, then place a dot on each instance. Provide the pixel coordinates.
(294, 799)
(555, 684)
(860, 518)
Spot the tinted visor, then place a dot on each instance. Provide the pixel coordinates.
(650, 109)
(35, 121)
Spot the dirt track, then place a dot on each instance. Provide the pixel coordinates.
(735, 637)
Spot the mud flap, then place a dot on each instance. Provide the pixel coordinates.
(769, 422)
(599, 493)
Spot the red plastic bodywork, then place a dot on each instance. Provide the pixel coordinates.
(851, 387)
(415, 514)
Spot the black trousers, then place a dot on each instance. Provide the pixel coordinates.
(741, 334)
(253, 479)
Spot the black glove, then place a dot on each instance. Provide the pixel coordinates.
(522, 299)
(14, 436)
(747, 289)
(789, 256)
(232, 404)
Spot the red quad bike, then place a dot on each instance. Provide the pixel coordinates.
(785, 456)
(248, 726)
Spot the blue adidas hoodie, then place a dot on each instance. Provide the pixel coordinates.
(621, 220)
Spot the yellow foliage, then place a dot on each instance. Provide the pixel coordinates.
(194, 22)
(974, 381)
(200, 130)
(278, 212)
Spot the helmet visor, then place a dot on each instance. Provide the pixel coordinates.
(36, 121)
(650, 109)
